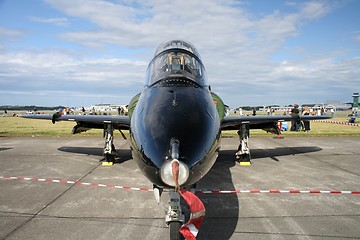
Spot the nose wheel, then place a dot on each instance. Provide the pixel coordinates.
(174, 231)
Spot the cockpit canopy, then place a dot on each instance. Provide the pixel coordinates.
(174, 60)
(177, 44)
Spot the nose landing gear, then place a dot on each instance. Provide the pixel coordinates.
(174, 217)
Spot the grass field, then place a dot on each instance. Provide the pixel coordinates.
(16, 126)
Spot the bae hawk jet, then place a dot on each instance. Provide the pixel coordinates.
(175, 124)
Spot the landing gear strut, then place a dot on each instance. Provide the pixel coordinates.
(174, 217)
(109, 148)
(243, 153)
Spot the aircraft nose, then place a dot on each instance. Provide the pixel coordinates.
(174, 173)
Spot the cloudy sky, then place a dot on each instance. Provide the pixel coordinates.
(84, 52)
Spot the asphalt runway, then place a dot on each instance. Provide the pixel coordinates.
(43, 209)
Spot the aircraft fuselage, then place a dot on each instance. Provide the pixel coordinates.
(175, 107)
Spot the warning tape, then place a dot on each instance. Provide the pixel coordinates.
(281, 191)
(198, 192)
(73, 182)
(342, 123)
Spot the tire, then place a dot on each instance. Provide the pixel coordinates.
(174, 231)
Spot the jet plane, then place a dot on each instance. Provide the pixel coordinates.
(175, 125)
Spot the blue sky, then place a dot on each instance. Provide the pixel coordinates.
(85, 52)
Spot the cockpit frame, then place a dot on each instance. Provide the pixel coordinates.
(172, 63)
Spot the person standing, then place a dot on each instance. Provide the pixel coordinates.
(295, 117)
(332, 112)
(306, 112)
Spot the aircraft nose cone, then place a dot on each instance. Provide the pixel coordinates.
(174, 173)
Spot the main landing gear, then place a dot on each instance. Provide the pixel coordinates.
(109, 149)
(243, 154)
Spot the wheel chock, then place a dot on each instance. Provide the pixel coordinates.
(107, 163)
(245, 163)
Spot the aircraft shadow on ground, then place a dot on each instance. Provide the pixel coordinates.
(123, 155)
(5, 148)
(282, 151)
(222, 210)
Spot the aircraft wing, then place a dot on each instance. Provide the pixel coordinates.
(261, 122)
(86, 121)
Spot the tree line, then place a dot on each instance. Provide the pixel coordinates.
(28, 108)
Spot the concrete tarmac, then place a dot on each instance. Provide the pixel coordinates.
(50, 210)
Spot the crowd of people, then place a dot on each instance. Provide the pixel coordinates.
(296, 123)
(296, 112)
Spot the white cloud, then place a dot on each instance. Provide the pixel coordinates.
(158, 21)
(54, 78)
(315, 9)
(64, 68)
(236, 47)
(56, 21)
(10, 34)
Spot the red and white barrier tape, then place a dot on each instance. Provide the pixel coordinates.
(72, 182)
(198, 192)
(280, 191)
(342, 123)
